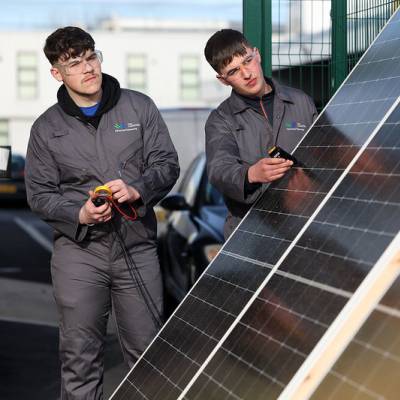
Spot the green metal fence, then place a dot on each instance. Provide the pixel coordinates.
(313, 44)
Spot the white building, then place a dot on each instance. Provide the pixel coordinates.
(163, 59)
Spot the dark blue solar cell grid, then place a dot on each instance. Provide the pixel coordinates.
(315, 280)
(317, 276)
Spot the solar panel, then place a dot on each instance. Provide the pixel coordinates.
(303, 264)
(369, 367)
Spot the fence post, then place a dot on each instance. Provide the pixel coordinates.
(339, 43)
(257, 27)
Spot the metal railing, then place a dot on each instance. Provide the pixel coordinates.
(313, 44)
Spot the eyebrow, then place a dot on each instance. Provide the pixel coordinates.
(238, 66)
(80, 58)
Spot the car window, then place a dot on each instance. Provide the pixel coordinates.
(186, 178)
(192, 179)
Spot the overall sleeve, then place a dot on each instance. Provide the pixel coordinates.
(225, 169)
(161, 167)
(43, 194)
(312, 109)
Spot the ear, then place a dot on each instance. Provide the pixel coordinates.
(56, 74)
(222, 80)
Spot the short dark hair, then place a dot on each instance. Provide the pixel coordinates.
(67, 42)
(223, 46)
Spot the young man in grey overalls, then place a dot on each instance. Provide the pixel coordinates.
(99, 134)
(258, 115)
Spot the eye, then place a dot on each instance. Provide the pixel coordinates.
(232, 72)
(92, 57)
(74, 64)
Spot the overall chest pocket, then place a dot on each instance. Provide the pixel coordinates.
(131, 160)
(250, 156)
(252, 144)
(72, 162)
(72, 173)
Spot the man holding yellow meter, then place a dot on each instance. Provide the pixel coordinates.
(97, 163)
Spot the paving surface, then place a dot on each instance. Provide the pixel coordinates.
(29, 365)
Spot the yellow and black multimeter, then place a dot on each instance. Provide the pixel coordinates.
(102, 194)
(278, 152)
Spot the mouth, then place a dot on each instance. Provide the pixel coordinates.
(251, 82)
(90, 78)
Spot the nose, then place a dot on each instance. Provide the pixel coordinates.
(246, 73)
(88, 66)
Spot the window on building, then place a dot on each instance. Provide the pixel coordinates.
(27, 75)
(4, 140)
(190, 77)
(136, 72)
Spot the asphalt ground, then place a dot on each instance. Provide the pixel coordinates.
(29, 363)
(31, 370)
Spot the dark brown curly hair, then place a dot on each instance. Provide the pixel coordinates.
(67, 42)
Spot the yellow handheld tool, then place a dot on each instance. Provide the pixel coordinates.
(102, 194)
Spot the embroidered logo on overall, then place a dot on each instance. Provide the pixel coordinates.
(120, 127)
(295, 126)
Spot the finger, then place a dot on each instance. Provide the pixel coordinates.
(103, 218)
(123, 198)
(106, 212)
(275, 177)
(115, 182)
(95, 213)
(118, 195)
(280, 170)
(119, 191)
(274, 171)
(114, 188)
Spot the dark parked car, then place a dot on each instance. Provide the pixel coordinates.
(14, 187)
(194, 231)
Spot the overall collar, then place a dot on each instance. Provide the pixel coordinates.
(110, 96)
(238, 104)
